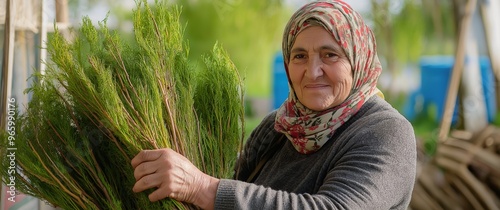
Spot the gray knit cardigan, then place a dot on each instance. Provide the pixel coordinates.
(369, 163)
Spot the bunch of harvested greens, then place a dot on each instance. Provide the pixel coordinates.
(101, 101)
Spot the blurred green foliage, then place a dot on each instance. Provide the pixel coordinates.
(426, 129)
(407, 29)
(249, 30)
(411, 28)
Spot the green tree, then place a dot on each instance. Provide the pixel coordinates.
(407, 32)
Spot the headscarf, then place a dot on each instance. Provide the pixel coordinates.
(309, 130)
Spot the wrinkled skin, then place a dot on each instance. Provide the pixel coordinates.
(173, 176)
(319, 70)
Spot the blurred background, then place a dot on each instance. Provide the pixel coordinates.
(440, 70)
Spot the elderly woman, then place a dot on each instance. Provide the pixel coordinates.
(333, 144)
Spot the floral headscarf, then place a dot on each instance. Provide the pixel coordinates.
(308, 130)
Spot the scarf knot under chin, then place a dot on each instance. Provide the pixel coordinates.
(308, 130)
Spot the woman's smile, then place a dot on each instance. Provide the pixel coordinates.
(316, 89)
(316, 86)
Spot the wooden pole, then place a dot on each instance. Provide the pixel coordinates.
(457, 70)
(62, 18)
(62, 11)
(43, 39)
(8, 52)
(474, 109)
(489, 34)
(8, 57)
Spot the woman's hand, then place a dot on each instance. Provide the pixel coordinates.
(174, 176)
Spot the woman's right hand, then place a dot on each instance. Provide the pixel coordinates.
(173, 176)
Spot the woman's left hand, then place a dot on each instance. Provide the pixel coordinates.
(174, 176)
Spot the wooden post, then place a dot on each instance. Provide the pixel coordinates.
(62, 11)
(62, 18)
(490, 32)
(8, 52)
(457, 70)
(474, 109)
(8, 57)
(43, 39)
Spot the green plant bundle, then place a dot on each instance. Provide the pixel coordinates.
(102, 100)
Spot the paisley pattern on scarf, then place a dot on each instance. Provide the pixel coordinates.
(309, 130)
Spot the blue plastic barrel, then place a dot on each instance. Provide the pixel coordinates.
(435, 73)
(280, 81)
(488, 88)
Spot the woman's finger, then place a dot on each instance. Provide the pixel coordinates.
(145, 168)
(145, 155)
(158, 194)
(147, 182)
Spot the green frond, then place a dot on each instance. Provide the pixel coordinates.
(102, 100)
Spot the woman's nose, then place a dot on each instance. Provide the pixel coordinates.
(314, 68)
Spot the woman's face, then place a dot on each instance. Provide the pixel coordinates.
(320, 72)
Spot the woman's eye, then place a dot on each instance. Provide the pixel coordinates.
(330, 55)
(299, 56)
